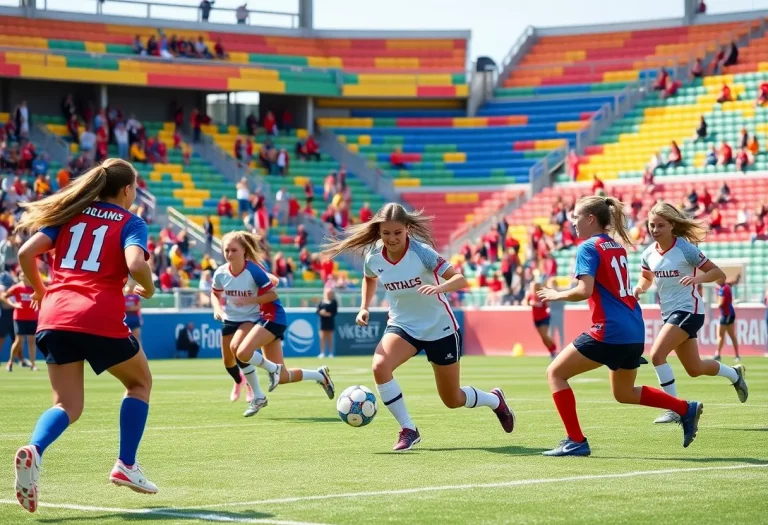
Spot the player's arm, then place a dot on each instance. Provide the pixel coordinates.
(454, 281)
(645, 282)
(710, 273)
(269, 297)
(581, 292)
(135, 258)
(37, 245)
(7, 296)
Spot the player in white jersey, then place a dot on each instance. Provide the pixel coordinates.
(400, 255)
(678, 267)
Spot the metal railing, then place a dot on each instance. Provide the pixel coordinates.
(170, 11)
(289, 298)
(195, 231)
(521, 46)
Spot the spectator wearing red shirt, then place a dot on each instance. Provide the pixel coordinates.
(491, 241)
(742, 160)
(168, 279)
(28, 154)
(715, 220)
(238, 149)
(549, 266)
(366, 214)
(670, 89)
(661, 80)
(597, 184)
(218, 50)
(270, 124)
(305, 260)
(396, 159)
(762, 94)
(326, 270)
(308, 210)
(294, 208)
(511, 242)
(309, 191)
(300, 241)
(509, 263)
(705, 199)
(162, 151)
(725, 94)
(697, 70)
(536, 235)
(311, 148)
(224, 209)
(167, 236)
(287, 120)
(24, 318)
(725, 155)
(573, 165)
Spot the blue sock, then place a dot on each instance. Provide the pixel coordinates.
(133, 418)
(50, 425)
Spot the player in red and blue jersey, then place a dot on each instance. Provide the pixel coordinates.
(98, 243)
(133, 311)
(24, 320)
(616, 338)
(540, 312)
(727, 319)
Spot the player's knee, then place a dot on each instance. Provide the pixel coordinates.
(453, 399)
(552, 373)
(73, 409)
(694, 370)
(623, 396)
(658, 358)
(382, 372)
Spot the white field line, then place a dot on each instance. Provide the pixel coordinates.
(502, 484)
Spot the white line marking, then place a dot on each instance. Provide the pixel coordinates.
(501, 484)
(178, 512)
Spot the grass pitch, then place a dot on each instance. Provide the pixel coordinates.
(296, 462)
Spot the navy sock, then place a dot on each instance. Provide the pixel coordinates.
(133, 419)
(50, 425)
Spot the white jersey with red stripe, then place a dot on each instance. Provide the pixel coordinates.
(668, 267)
(423, 317)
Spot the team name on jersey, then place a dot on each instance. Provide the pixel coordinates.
(667, 273)
(403, 285)
(239, 293)
(610, 245)
(110, 215)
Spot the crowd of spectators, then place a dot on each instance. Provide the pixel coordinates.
(178, 47)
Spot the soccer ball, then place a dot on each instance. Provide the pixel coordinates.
(357, 406)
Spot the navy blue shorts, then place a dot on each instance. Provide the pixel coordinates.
(444, 351)
(6, 323)
(276, 329)
(25, 327)
(541, 322)
(688, 322)
(61, 347)
(133, 321)
(627, 356)
(726, 320)
(230, 327)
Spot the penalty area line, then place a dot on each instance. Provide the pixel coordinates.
(501, 484)
(178, 512)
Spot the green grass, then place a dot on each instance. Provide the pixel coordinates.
(200, 451)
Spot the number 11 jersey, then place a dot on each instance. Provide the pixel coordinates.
(89, 271)
(616, 316)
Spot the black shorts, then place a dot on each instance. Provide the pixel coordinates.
(445, 351)
(25, 327)
(688, 322)
(6, 324)
(541, 322)
(727, 320)
(276, 329)
(61, 347)
(627, 356)
(230, 327)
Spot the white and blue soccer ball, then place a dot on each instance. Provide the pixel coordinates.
(357, 406)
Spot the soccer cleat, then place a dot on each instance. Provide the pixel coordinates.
(327, 382)
(235, 395)
(33, 368)
(503, 412)
(249, 396)
(254, 406)
(132, 477)
(741, 385)
(667, 417)
(9, 368)
(407, 440)
(569, 447)
(690, 422)
(274, 377)
(321, 356)
(27, 473)
(737, 359)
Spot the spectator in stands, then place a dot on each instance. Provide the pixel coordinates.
(208, 229)
(742, 160)
(701, 130)
(201, 49)
(744, 138)
(270, 124)
(674, 157)
(241, 14)
(218, 50)
(102, 138)
(366, 214)
(715, 220)
(724, 195)
(63, 177)
(697, 70)
(725, 94)
(121, 138)
(286, 120)
(88, 143)
(691, 205)
(661, 80)
(205, 9)
(138, 154)
(205, 287)
(264, 155)
(670, 88)
(492, 240)
(224, 208)
(712, 156)
(742, 220)
(717, 62)
(396, 159)
(40, 165)
(152, 48)
(572, 164)
(565, 237)
(300, 241)
(732, 56)
(164, 47)
(282, 162)
(311, 148)
(753, 148)
(705, 201)
(597, 184)
(27, 155)
(762, 95)
(702, 8)
(243, 195)
(22, 121)
(648, 181)
(725, 155)
(169, 279)
(294, 208)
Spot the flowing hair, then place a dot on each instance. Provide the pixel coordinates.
(683, 226)
(361, 237)
(251, 244)
(609, 213)
(99, 183)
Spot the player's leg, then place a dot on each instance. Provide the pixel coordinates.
(731, 331)
(135, 376)
(721, 329)
(543, 330)
(670, 337)
(32, 350)
(568, 363)
(136, 331)
(17, 348)
(392, 351)
(274, 352)
(240, 367)
(230, 363)
(244, 347)
(688, 353)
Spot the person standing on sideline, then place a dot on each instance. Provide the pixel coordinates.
(327, 310)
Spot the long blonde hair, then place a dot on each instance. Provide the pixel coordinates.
(99, 183)
(609, 213)
(251, 244)
(360, 237)
(683, 226)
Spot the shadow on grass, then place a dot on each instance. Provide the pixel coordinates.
(157, 514)
(510, 450)
(306, 419)
(752, 429)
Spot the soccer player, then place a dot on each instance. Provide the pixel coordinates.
(133, 311)
(616, 338)
(678, 267)
(244, 299)
(24, 320)
(400, 254)
(541, 318)
(727, 319)
(98, 243)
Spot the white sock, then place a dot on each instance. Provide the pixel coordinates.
(311, 375)
(667, 379)
(262, 362)
(392, 397)
(478, 398)
(727, 371)
(249, 372)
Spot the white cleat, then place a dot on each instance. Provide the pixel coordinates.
(274, 378)
(327, 382)
(668, 417)
(254, 406)
(132, 477)
(27, 473)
